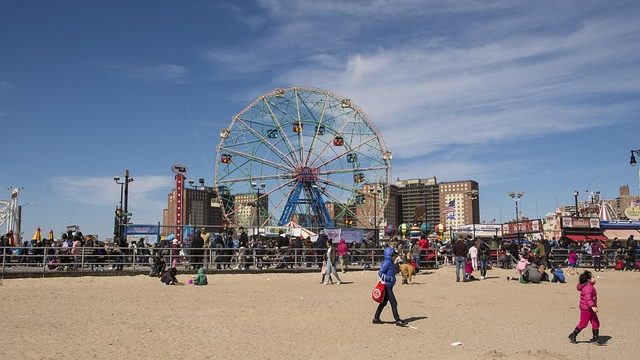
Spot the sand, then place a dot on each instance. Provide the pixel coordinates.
(292, 316)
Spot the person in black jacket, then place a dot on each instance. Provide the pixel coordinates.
(197, 250)
(483, 257)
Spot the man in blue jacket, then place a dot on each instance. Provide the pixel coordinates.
(387, 274)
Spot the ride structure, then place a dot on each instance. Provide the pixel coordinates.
(317, 158)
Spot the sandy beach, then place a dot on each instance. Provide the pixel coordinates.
(292, 316)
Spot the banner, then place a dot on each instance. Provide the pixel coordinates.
(349, 235)
(573, 222)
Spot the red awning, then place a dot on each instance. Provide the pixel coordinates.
(588, 238)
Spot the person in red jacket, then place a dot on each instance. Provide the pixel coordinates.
(588, 308)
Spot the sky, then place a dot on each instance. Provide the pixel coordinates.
(541, 97)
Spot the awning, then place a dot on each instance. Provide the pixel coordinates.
(582, 237)
(621, 234)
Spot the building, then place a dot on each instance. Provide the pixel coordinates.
(457, 204)
(418, 200)
(200, 208)
(392, 210)
(244, 210)
(371, 207)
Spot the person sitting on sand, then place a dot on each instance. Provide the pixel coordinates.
(201, 278)
(558, 275)
(169, 277)
(531, 275)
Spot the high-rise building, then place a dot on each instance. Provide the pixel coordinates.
(392, 210)
(457, 205)
(373, 203)
(416, 195)
(199, 208)
(244, 210)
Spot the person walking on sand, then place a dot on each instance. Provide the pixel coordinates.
(387, 274)
(460, 253)
(343, 254)
(330, 260)
(473, 254)
(588, 308)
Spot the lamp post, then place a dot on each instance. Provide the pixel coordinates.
(375, 191)
(516, 196)
(473, 195)
(124, 189)
(258, 188)
(634, 152)
(575, 197)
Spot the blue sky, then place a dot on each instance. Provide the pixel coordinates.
(541, 97)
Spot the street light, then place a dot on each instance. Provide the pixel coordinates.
(473, 195)
(575, 197)
(257, 188)
(375, 191)
(634, 152)
(516, 197)
(124, 187)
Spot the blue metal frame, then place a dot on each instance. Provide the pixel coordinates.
(314, 199)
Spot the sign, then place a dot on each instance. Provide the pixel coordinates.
(148, 233)
(349, 235)
(573, 222)
(620, 224)
(523, 227)
(632, 213)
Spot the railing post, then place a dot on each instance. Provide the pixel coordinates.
(4, 250)
(133, 257)
(82, 262)
(44, 261)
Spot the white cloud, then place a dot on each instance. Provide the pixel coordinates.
(6, 86)
(144, 193)
(151, 72)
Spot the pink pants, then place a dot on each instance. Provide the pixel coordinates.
(585, 317)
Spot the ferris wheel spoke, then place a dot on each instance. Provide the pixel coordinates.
(264, 140)
(257, 159)
(279, 205)
(326, 146)
(280, 129)
(343, 171)
(347, 151)
(233, 171)
(256, 178)
(336, 201)
(299, 119)
(340, 186)
(315, 137)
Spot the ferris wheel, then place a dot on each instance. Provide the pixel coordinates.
(305, 155)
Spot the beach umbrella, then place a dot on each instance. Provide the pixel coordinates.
(38, 235)
(50, 236)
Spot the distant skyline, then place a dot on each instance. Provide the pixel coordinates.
(540, 97)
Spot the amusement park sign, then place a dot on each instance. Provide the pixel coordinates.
(524, 227)
(573, 222)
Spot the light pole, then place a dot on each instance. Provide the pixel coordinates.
(258, 188)
(575, 197)
(634, 152)
(516, 197)
(124, 187)
(473, 195)
(375, 191)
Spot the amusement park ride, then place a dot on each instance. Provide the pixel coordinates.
(316, 153)
(10, 212)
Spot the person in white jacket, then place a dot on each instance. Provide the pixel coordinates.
(473, 253)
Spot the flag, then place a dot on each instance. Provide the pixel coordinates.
(450, 210)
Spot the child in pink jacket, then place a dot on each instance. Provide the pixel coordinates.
(588, 308)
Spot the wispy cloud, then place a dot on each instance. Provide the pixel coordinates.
(514, 71)
(6, 86)
(150, 72)
(144, 193)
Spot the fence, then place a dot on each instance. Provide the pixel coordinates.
(49, 261)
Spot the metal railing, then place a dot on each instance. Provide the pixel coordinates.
(45, 261)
